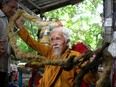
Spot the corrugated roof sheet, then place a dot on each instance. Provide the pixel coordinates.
(42, 6)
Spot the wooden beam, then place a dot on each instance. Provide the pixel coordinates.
(75, 1)
(53, 6)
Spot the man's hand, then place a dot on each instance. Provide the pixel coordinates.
(18, 22)
(2, 48)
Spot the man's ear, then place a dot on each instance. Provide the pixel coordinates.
(67, 42)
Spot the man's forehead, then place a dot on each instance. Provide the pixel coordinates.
(57, 34)
(13, 3)
(56, 31)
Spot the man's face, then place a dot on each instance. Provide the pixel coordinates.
(58, 42)
(10, 8)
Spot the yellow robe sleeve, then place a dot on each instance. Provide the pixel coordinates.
(36, 45)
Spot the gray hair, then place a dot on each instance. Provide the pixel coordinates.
(66, 32)
(7, 1)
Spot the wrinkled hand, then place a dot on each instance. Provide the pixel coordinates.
(92, 58)
(69, 65)
(95, 68)
(18, 22)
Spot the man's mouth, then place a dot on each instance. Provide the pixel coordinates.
(56, 47)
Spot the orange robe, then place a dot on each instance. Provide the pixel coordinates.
(66, 79)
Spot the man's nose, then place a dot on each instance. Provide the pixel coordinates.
(54, 43)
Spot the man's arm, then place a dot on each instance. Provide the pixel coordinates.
(1, 40)
(30, 41)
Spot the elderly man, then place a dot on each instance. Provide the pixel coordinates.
(56, 76)
(7, 9)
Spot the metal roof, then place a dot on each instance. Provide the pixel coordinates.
(42, 6)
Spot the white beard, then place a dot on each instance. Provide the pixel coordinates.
(57, 51)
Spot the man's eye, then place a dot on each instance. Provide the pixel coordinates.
(51, 39)
(57, 38)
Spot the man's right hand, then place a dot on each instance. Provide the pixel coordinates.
(2, 48)
(18, 22)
